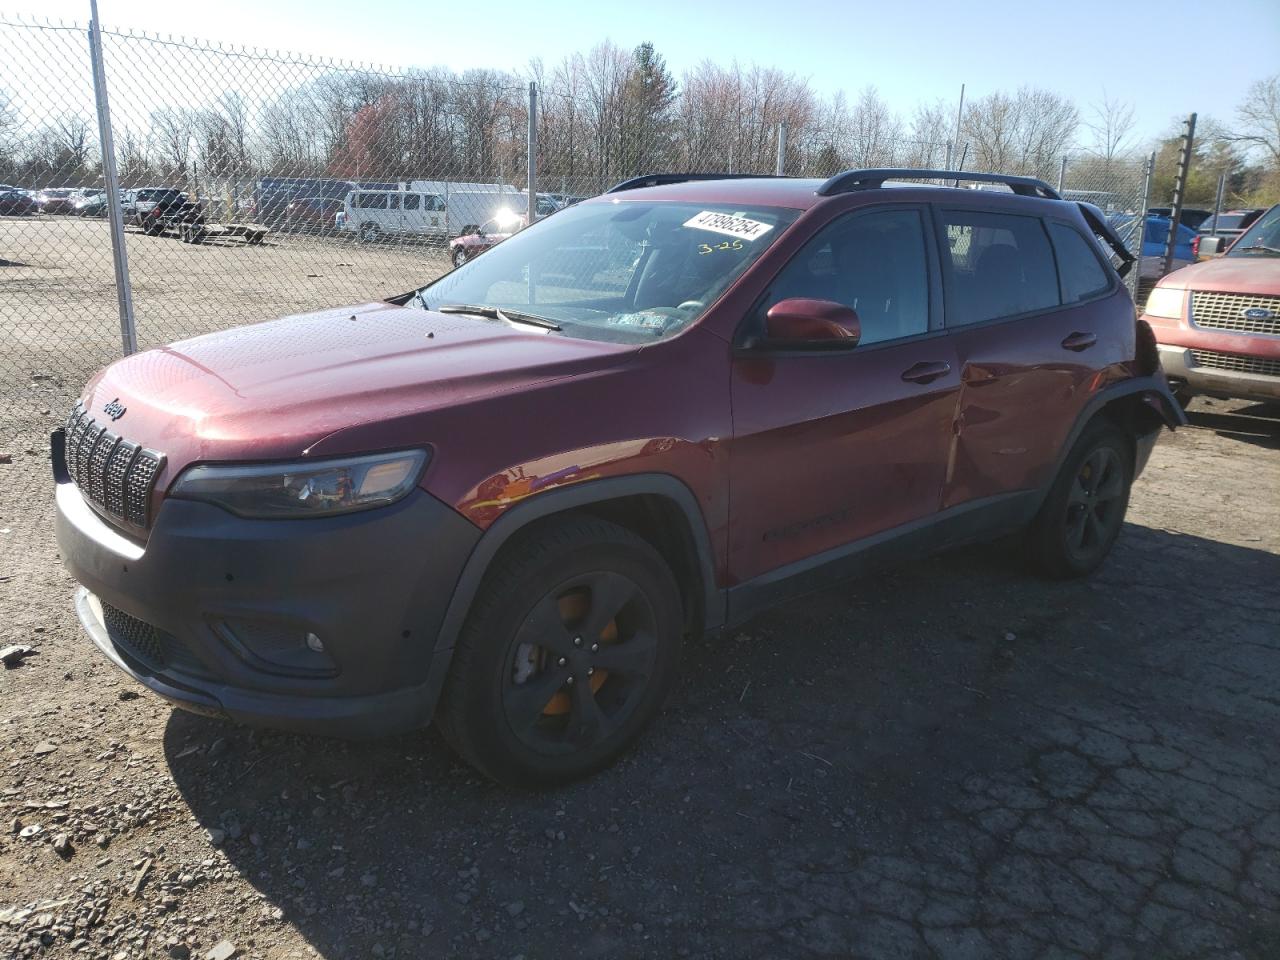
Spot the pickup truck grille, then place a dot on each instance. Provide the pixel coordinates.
(1237, 362)
(1211, 310)
(114, 474)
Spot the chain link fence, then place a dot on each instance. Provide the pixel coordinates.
(310, 182)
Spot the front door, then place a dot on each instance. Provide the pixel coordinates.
(831, 448)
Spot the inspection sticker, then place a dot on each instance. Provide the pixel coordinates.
(729, 225)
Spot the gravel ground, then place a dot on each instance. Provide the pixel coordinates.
(952, 760)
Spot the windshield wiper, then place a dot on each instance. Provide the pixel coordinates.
(1258, 246)
(498, 313)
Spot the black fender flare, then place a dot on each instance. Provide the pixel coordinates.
(1152, 390)
(574, 497)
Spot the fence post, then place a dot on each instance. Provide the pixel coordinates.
(119, 256)
(782, 150)
(1179, 192)
(1062, 173)
(1217, 203)
(533, 156)
(1140, 226)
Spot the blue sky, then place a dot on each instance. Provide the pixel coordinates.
(1158, 56)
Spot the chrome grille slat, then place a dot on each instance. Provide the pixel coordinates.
(116, 475)
(1237, 362)
(1212, 310)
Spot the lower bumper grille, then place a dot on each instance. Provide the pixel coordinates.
(147, 644)
(1237, 362)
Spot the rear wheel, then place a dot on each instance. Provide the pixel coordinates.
(369, 232)
(459, 257)
(569, 651)
(1085, 508)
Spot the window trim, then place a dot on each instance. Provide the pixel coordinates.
(745, 343)
(948, 288)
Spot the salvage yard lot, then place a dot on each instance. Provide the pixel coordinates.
(953, 759)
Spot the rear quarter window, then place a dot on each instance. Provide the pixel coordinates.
(1081, 274)
(998, 265)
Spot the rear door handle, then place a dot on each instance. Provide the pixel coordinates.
(926, 372)
(1079, 341)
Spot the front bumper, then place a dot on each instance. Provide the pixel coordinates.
(213, 611)
(1180, 364)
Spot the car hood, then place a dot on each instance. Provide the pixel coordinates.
(274, 390)
(1259, 274)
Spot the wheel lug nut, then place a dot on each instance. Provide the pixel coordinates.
(562, 662)
(568, 681)
(590, 671)
(595, 648)
(577, 641)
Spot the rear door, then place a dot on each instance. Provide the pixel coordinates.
(830, 448)
(1028, 362)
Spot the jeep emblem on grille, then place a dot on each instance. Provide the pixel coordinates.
(1257, 313)
(115, 410)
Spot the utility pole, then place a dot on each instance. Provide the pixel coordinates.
(1179, 191)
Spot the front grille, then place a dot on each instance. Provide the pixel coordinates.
(1236, 362)
(113, 473)
(1211, 310)
(141, 640)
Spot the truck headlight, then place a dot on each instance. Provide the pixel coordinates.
(1165, 302)
(306, 489)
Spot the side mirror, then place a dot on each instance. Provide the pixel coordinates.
(817, 324)
(1211, 246)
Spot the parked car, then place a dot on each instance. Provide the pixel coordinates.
(426, 210)
(1218, 322)
(1154, 238)
(16, 203)
(148, 207)
(312, 214)
(1191, 217)
(490, 234)
(57, 200)
(1230, 224)
(91, 204)
(499, 502)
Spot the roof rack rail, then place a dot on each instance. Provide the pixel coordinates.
(661, 179)
(851, 180)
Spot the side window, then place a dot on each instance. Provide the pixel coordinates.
(1000, 265)
(432, 202)
(411, 201)
(371, 201)
(1081, 274)
(873, 262)
(393, 202)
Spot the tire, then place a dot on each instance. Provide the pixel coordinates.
(459, 257)
(1084, 511)
(369, 232)
(524, 702)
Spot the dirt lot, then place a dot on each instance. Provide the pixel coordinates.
(58, 313)
(952, 760)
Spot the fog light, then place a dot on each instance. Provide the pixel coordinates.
(313, 643)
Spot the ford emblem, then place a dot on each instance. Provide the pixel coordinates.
(1257, 313)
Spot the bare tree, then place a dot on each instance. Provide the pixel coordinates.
(1111, 123)
(1258, 118)
(1026, 132)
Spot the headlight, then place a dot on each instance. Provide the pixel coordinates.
(1165, 302)
(306, 489)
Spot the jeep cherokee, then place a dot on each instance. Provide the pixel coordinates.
(499, 502)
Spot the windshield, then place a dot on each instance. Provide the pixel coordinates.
(1262, 239)
(626, 271)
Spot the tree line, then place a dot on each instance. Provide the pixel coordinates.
(603, 115)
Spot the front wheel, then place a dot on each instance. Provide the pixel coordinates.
(1082, 515)
(567, 655)
(369, 232)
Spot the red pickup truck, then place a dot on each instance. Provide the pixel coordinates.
(1218, 322)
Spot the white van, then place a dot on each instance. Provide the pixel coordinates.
(428, 209)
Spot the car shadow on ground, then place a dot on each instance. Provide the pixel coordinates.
(1256, 423)
(951, 759)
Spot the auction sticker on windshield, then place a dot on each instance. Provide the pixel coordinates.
(728, 224)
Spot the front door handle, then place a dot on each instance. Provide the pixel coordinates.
(926, 372)
(1079, 341)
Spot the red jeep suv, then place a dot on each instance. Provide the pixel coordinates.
(499, 502)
